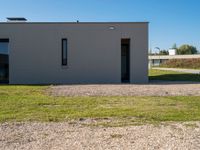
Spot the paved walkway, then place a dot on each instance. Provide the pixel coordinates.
(193, 71)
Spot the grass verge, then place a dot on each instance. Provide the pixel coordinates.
(30, 103)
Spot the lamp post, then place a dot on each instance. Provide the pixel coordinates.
(158, 54)
(158, 49)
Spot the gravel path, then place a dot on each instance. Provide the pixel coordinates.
(152, 89)
(60, 136)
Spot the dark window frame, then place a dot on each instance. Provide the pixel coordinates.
(4, 40)
(64, 58)
(5, 63)
(126, 42)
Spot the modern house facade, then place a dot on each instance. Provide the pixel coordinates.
(73, 53)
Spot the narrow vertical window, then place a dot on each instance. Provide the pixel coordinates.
(4, 61)
(64, 52)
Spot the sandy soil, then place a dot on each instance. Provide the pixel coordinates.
(152, 89)
(60, 136)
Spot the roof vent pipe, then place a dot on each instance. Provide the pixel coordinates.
(16, 19)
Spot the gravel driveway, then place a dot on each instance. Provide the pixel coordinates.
(62, 136)
(151, 89)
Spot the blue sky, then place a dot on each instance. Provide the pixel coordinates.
(171, 21)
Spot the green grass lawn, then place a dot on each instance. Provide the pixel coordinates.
(172, 76)
(31, 103)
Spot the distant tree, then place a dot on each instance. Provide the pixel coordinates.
(163, 52)
(174, 46)
(186, 49)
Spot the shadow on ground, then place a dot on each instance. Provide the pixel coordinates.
(176, 77)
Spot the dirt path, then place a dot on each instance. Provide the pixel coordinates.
(152, 89)
(32, 136)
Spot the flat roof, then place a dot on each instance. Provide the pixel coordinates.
(74, 22)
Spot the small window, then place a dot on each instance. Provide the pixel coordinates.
(64, 52)
(4, 61)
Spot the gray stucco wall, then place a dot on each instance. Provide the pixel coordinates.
(94, 52)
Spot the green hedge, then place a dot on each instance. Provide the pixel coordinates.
(182, 63)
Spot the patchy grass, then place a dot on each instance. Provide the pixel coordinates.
(30, 103)
(191, 125)
(172, 76)
(116, 135)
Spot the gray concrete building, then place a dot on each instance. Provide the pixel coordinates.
(73, 53)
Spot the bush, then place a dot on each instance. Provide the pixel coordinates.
(182, 63)
(186, 49)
